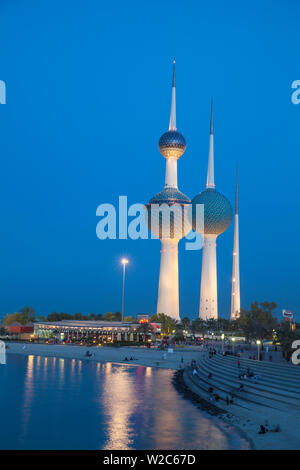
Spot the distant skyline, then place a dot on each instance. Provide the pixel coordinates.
(88, 91)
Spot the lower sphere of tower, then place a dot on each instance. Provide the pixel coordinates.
(167, 214)
(217, 212)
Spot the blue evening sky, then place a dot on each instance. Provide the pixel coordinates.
(88, 96)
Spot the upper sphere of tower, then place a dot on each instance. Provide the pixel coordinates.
(217, 212)
(172, 144)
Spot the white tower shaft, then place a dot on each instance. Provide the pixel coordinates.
(235, 292)
(209, 292)
(171, 173)
(168, 288)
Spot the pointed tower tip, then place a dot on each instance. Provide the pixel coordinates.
(211, 118)
(237, 192)
(173, 81)
(172, 123)
(210, 182)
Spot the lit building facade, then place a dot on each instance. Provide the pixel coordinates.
(92, 331)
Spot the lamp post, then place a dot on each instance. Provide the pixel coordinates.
(233, 340)
(124, 262)
(223, 337)
(258, 342)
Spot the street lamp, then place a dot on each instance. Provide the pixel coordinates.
(233, 340)
(258, 342)
(124, 261)
(223, 337)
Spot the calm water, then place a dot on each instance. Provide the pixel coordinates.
(51, 403)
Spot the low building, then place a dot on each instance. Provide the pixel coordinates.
(17, 328)
(93, 331)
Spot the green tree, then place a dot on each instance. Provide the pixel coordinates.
(130, 319)
(198, 326)
(185, 322)
(145, 329)
(54, 316)
(286, 337)
(25, 315)
(78, 316)
(168, 324)
(258, 322)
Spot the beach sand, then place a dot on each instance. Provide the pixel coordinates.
(143, 356)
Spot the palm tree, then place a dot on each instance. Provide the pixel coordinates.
(185, 323)
(168, 324)
(145, 329)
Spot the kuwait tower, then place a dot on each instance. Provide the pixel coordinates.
(167, 217)
(217, 218)
(235, 293)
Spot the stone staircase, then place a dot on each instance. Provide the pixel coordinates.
(275, 396)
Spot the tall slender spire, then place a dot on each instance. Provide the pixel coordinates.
(237, 193)
(211, 118)
(172, 125)
(235, 292)
(210, 183)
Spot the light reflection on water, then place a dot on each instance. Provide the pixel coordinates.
(53, 403)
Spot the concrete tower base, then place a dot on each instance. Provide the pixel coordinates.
(168, 288)
(208, 292)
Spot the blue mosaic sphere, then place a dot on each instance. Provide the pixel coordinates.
(176, 223)
(172, 144)
(217, 212)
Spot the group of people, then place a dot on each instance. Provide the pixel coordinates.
(248, 374)
(89, 354)
(132, 358)
(213, 396)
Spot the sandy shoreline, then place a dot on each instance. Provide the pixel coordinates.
(143, 356)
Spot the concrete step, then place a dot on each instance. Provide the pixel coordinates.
(283, 369)
(262, 386)
(260, 396)
(271, 377)
(238, 403)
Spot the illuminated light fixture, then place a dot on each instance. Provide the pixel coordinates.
(124, 261)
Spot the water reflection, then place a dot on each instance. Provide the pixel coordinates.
(28, 394)
(119, 403)
(49, 403)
